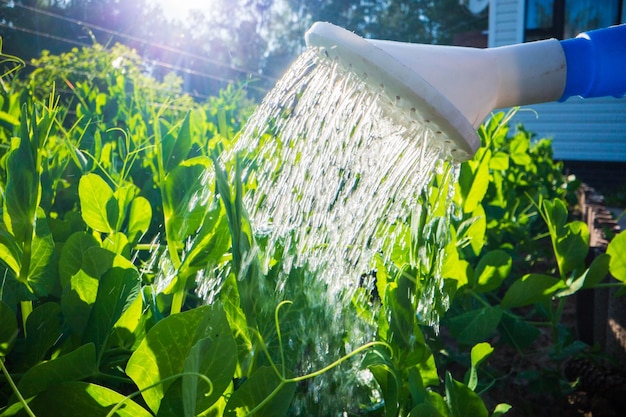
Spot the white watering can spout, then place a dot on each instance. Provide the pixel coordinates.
(453, 89)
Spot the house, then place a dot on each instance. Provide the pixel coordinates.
(590, 130)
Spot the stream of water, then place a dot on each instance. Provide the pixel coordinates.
(339, 166)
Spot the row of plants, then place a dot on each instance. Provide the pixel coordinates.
(132, 283)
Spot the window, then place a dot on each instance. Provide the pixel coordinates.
(563, 19)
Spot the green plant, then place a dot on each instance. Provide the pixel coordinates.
(134, 283)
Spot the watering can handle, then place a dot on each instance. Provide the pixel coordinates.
(596, 63)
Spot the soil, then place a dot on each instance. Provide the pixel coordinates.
(537, 386)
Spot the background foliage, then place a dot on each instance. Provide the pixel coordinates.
(228, 41)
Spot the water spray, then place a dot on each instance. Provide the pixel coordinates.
(451, 90)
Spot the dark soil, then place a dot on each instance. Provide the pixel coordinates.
(587, 384)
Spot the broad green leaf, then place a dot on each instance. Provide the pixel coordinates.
(78, 399)
(453, 267)
(117, 289)
(438, 402)
(43, 330)
(617, 251)
(492, 270)
(185, 198)
(499, 161)
(479, 353)
(425, 410)
(71, 257)
(377, 361)
(209, 245)
(22, 191)
(79, 296)
(139, 218)
(475, 233)
(129, 330)
(42, 274)
(77, 301)
(74, 366)
(463, 402)
(428, 371)
(176, 150)
(598, 270)
(530, 289)
(117, 243)
(519, 151)
(98, 206)
(10, 253)
(8, 329)
(476, 325)
(571, 247)
(474, 180)
(556, 213)
(255, 390)
(124, 195)
(171, 347)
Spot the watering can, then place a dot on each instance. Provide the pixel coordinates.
(453, 89)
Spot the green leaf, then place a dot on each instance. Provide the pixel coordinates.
(463, 402)
(475, 325)
(10, 253)
(499, 161)
(501, 409)
(377, 361)
(479, 353)
(124, 195)
(173, 345)
(8, 329)
(42, 273)
(43, 330)
(185, 195)
(492, 270)
(255, 390)
(571, 247)
(129, 330)
(556, 213)
(99, 208)
(77, 301)
(616, 250)
(598, 270)
(474, 180)
(531, 289)
(209, 245)
(78, 399)
(71, 257)
(79, 297)
(117, 289)
(438, 402)
(74, 366)
(117, 242)
(519, 150)
(425, 410)
(175, 151)
(22, 191)
(139, 218)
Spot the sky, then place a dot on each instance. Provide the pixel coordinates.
(178, 9)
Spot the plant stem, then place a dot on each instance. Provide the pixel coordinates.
(17, 392)
(27, 308)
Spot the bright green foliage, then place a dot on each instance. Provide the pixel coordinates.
(121, 219)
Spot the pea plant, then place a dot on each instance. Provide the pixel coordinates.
(133, 282)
